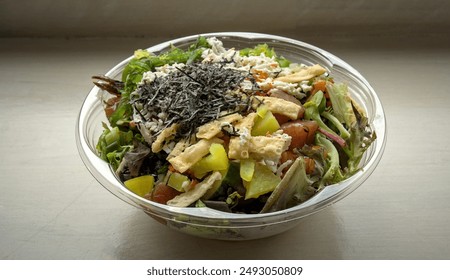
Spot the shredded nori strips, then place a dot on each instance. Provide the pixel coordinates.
(191, 96)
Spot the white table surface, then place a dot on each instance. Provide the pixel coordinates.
(52, 208)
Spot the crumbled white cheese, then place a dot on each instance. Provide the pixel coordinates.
(161, 71)
(244, 136)
(290, 88)
(216, 45)
(217, 53)
(246, 86)
(271, 164)
(260, 62)
(305, 86)
(149, 77)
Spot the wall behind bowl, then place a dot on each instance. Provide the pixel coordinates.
(171, 18)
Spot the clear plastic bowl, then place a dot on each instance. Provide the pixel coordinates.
(210, 223)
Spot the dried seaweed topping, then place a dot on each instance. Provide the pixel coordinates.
(191, 96)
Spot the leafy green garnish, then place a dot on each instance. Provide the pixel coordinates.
(341, 103)
(313, 110)
(113, 144)
(361, 135)
(333, 172)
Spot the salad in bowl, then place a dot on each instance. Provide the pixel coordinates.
(243, 131)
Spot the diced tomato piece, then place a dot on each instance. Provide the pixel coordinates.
(163, 193)
(302, 132)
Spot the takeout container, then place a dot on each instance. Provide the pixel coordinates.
(210, 223)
